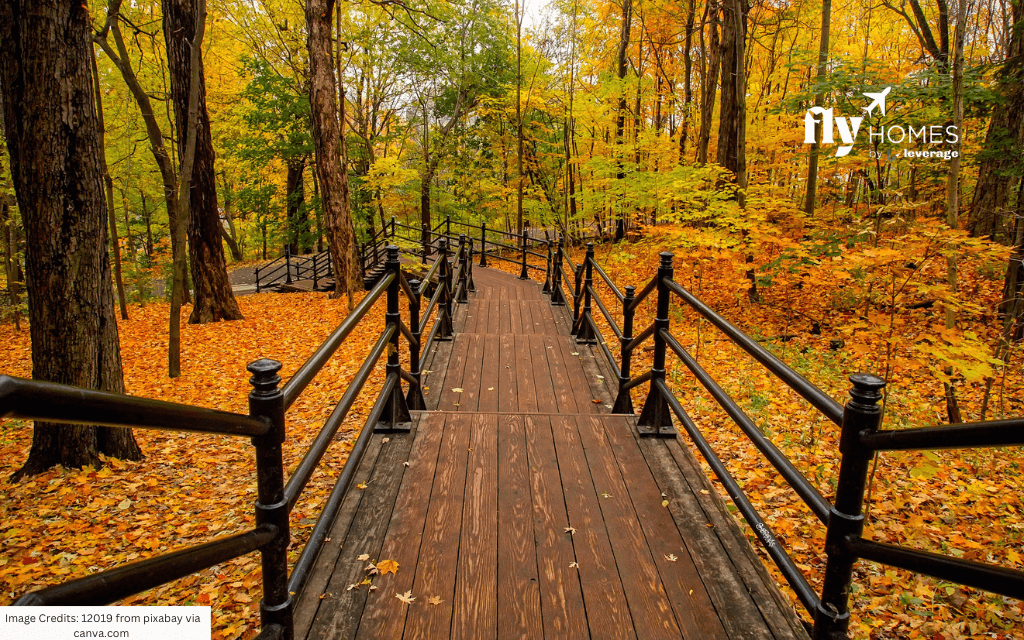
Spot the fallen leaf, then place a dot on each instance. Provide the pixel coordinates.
(387, 566)
(361, 485)
(406, 597)
(383, 440)
(573, 565)
(664, 503)
(457, 390)
(671, 557)
(363, 557)
(434, 600)
(571, 530)
(124, 504)
(371, 569)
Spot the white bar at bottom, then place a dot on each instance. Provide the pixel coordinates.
(133, 623)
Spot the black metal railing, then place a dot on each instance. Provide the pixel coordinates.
(291, 268)
(859, 439)
(265, 425)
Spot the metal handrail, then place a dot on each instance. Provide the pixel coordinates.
(52, 402)
(608, 281)
(604, 311)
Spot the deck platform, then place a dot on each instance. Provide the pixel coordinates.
(519, 507)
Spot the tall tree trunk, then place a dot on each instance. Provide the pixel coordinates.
(708, 81)
(213, 299)
(684, 126)
(620, 116)
(12, 270)
(327, 142)
(298, 217)
(733, 115)
(53, 138)
(953, 187)
(819, 99)
(1004, 140)
(519, 121)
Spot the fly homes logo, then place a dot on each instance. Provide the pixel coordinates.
(850, 127)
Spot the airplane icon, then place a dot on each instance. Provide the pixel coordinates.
(878, 100)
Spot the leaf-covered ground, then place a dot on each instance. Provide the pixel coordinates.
(189, 489)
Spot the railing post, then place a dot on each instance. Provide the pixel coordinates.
(557, 296)
(414, 398)
(287, 265)
(846, 518)
(483, 244)
(392, 228)
(584, 332)
(395, 416)
(463, 279)
(623, 401)
(444, 280)
(470, 285)
(655, 419)
(547, 270)
(266, 402)
(425, 241)
(524, 275)
(257, 279)
(316, 277)
(448, 226)
(330, 264)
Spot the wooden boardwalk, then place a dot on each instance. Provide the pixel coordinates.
(518, 507)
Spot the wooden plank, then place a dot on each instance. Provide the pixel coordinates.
(640, 580)
(471, 377)
(490, 374)
(781, 618)
(475, 614)
(515, 317)
(504, 317)
(572, 359)
(508, 387)
(542, 374)
(341, 608)
(599, 577)
(693, 607)
(564, 393)
(308, 601)
(526, 377)
(562, 609)
(453, 378)
(519, 610)
(439, 549)
(384, 615)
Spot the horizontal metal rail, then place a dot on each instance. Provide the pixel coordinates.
(994, 433)
(639, 380)
(431, 305)
(52, 402)
(429, 342)
(600, 341)
(818, 398)
(604, 311)
(987, 577)
(298, 382)
(304, 471)
(640, 338)
(114, 584)
(608, 281)
(819, 506)
(408, 334)
(761, 529)
(406, 287)
(646, 291)
(317, 537)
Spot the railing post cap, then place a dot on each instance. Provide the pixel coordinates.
(414, 284)
(264, 375)
(590, 247)
(392, 252)
(630, 291)
(867, 387)
(666, 258)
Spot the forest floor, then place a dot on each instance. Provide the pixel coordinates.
(189, 489)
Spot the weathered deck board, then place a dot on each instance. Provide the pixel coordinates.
(527, 511)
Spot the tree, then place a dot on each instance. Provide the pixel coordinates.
(708, 74)
(732, 142)
(53, 136)
(327, 140)
(819, 99)
(214, 299)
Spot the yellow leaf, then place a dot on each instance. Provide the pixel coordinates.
(387, 566)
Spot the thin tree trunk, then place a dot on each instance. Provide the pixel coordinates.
(732, 119)
(8, 237)
(819, 99)
(709, 82)
(684, 126)
(620, 116)
(53, 139)
(298, 224)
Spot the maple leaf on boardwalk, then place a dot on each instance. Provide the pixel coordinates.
(671, 557)
(363, 557)
(434, 600)
(406, 597)
(457, 390)
(571, 530)
(387, 566)
(371, 569)
(574, 565)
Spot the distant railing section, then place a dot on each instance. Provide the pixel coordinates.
(291, 268)
(265, 425)
(859, 438)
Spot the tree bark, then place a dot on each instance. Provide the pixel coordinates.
(620, 117)
(708, 81)
(298, 217)
(733, 115)
(53, 138)
(327, 142)
(213, 298)
(819, 99)
(9, 240)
